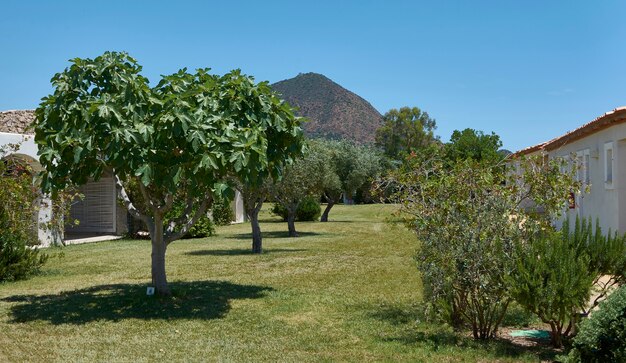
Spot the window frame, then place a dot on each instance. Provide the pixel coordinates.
(609, 165)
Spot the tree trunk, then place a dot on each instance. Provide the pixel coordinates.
(324, 217)
(257, 239)
(159, 279)
(291, 222)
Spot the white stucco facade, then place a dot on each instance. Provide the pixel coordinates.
(599, 148)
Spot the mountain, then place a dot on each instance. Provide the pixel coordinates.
(333, 111)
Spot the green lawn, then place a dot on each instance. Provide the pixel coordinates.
(346, 290)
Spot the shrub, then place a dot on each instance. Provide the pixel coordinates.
(309, 209)
(553, 281)
(469, 219)
(222, 213)
(202, 228)
(602, 337)
(18, 226)
(17, 260)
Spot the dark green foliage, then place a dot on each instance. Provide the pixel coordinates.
(309, 209)
(553, 281)
(17, 260)
(517, 316)
(475, 145)
(404, 131)
(203, 227)
(602, 337)
(222, 212)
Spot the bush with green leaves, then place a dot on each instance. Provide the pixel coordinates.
(203, 227)
(602, 337)
(469, 218)
(18, 223)
(222, 212)
(309, 209)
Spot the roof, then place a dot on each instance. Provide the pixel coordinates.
(611, 118)
(17, 121)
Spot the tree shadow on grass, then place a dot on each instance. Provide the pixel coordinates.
(498, 347)
(409, 331)
(275, 234)
(239, 252)
(191, 300)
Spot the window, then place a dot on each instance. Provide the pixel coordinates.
(582, 163)
(586, 164)
(608, 164)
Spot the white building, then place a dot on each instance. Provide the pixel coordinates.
(600, 149)
(99, 214)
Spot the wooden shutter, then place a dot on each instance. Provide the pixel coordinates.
(96, 212)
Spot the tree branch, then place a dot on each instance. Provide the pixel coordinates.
(171, 236)
(121, 192)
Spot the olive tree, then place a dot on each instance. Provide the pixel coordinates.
(180, 137)
(350, 167)
(305, 177)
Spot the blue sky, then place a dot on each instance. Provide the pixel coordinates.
(527, 70)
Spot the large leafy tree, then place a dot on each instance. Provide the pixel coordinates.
(405, 130)
(474, 145)
(178, 139)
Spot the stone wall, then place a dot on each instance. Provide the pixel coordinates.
(17, 121)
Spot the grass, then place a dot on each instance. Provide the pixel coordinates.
(346, 290)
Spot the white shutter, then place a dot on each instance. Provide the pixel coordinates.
(96, 212)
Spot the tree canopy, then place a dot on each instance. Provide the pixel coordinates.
(474, 145)
(178, 139)
(405, 130)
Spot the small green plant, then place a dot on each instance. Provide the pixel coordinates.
(222, 212)
(309, 209)
(602, 337)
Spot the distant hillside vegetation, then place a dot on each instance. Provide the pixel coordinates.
(333, 111)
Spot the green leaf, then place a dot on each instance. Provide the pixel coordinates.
(145, 172)
(77, 152)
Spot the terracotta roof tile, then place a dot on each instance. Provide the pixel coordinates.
(611, 118)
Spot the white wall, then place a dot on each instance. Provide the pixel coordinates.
(604, 201)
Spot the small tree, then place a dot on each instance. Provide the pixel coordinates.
(469, 217)
(253, 198)
(185, 135)
(552, 281)
(303, 178)
(351, 167)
